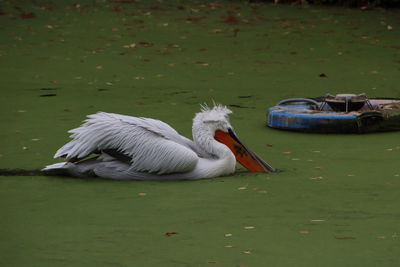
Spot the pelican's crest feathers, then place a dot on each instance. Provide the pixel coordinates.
(217, 113)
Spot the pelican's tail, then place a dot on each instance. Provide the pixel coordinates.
(56, 166)
(81, 169)
(62, 168)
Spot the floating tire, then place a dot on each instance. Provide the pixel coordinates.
(336, 114)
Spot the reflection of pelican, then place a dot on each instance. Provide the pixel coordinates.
(146, 149)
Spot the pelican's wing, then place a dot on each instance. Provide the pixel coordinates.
(151, 145)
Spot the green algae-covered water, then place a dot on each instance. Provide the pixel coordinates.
(336, 202)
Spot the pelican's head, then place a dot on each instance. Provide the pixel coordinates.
(215, 123)
(216, 118)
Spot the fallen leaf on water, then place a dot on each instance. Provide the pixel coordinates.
(315, 151)
(156, 8)
(249, 227)
(217, 31)
(195, 19)
(116, 9)
(318, 220)
(133, 45)
(318, 168)
(201, 63)
(21, 111)
(227, 235)
(228, 246)
(287, 153)
(295, 159)
(35, 139)
(247, 252)
(317, 178)
(170, 233)
(214, 5)
(145, 44)
(173, 46)
(142, 194)
(231, 18)
(24, 148)
(99, 67)
(159, 75)
(242, 188)
(212, 261)
(30, 15)
(304, 232)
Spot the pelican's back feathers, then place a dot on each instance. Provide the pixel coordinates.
(152, 145)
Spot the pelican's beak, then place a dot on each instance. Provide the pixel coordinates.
(245, 156)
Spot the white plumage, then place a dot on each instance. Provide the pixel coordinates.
(152, 145)
(147, 149)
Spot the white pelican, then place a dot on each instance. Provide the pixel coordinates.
(131, 148)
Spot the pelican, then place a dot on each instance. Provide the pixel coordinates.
(133, 148)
